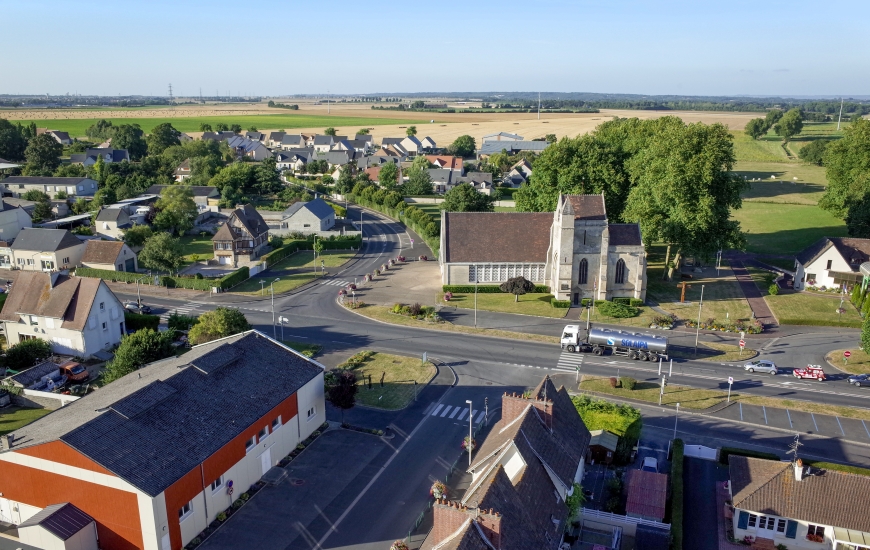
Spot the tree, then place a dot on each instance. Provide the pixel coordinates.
(388, 177)
(100, 131)
(329, 131)
(252, 129)
(130, 137)
(345, 180)
(419, 182)
(176, 210)
(411, 131)
(342, 392)
(463, 146)
(70, 171)
(230, 181)
(814, 152)
(790, 124)
(104, 197)
(137, 235)
(755, 128)
(221, 127)
(362, 132)
(865, 333)
(772, 118)
(161, 253)
(25, 354)
(550, 138)
(12, 143)
(847, 167)
(81, 206)
(858, 218)
(204, 127)
(42, 155)
(161, 137)
(137, 349)
(267, 179)
(42, 209)
(465, 198)
(517, 286)
(219, 323)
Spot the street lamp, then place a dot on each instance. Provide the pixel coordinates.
(262, 286)
(272, 288)
(698, 326)
(475, 297)
(139, 294)
(468, 446)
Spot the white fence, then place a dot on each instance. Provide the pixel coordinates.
(628, 524)
(43, 399)
(699, 451)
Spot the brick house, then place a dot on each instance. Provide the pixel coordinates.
(241, 239)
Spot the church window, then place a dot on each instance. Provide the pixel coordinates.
(584, 272)
(620, 272)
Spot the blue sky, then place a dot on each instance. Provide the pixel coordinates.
(288, 47)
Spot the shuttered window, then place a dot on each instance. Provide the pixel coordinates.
(743, 520)
(791, 529)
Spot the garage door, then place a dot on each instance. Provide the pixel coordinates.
(225, 260)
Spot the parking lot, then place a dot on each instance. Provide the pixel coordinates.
(797, 421)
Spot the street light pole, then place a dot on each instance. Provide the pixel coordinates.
(274, 328)
(470, 415)
(138, 293)
(698, 326)
(475, 297)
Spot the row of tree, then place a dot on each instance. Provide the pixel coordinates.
(786, 124)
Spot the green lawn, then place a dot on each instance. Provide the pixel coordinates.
(529, 304)
(643, 319)
(785, 228)
(759, 150)
(293, 271)
(622, 420)
(505, 208)
(688, 398)
(858, 363)
(433, 210)
(399, 375)
(308, 350)
(804, 308)
(12, 418)
(196, 244)
(783, 188)
(77, 127)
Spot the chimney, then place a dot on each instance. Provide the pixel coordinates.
(799, 469)
(447, 519)
(545, 411)
(6, 442)
(490, 524)
(511, 407)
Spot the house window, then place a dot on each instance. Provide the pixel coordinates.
(306, 225)
(780, 526)
(105, 326)
(770, 521)
(811, 278)
(102, 306)
(815, 533)
(584, 272)
(250, 444)
(47, 264)
(264, 433)
(23, 337)
(830, 262)
(753, 520)
(276, 423)
(217, 484)
(620, 272)
(311, 412)
(66, 260)
(184, 511)
(81, 187)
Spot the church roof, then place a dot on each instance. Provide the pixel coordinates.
(519, 237)
(624, 234)
(588, 207)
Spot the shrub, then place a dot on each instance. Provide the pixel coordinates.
(677, 495)
(237, 504)
(725, 452)
(198, 276)
(245, 496)
(622, 300)
(561, 304)
(635, 302)
(629, 383)
(177, 321)
(415, 309)
(585, 302)
(614, 382)
(773, 290)
(222, 516)
(136, 321)
(617, 310)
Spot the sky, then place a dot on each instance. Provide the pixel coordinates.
(281, 47)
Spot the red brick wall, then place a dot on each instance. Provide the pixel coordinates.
(490, 524)
(447, 519)
(116, 512)
(513, 406)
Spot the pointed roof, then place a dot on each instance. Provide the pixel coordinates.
(61, 520)
(250, 219)
(45, 240)
(102, 252)
(69, 298)
(588, 207)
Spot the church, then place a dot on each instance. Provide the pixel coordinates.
(574, 250)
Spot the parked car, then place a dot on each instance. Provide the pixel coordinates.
(137, 308)
(860, 380)
(762, 365)
(650, 464)
(74, 371)
(813, 372)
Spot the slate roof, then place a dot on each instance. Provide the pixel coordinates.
(251, 220)
(366, 138)
(854, 251)
(45, 240)
(257, 136)
(102, 252)
(492, 147)
(496, 236)
(61, 520)
(276, 136)
(34, 374)
(111, 214)
(588, 207)
(43, 180)
(70, 298)
(197, 190)
(323, 140)
(318, 207)
(440, 175)
(603, 438)
(822, 497)
(647, 494)
(624, 234)
(293, 139)
(155, 425)
(335, 158)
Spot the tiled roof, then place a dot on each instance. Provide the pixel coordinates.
(43, 180)
(45, 240)
(823, 497)
(61, 520)
(624, 234)
(69, 299)
(647, 494)
(156, 443)
(102, 252)
(853, 251)
(496, 236)
(111, 214)
(588, 207)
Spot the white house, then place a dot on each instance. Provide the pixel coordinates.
(111, 255)
(306, 217)
(831, 262)
(46, 249)
(798, 506)
(73, 187)
(78, 315)
(12, 220)
(111, 222)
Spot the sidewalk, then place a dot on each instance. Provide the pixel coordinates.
(752, 294)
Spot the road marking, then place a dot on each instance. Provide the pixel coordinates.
(865, 428)
(446, 410)
(455, 412)
(765, 414)
(437, 409)
(790, 425)
(479, 417)
(464, 412)
(814, 422)
(840, 425)
(429, 408)
(770, 343)
(741, 411)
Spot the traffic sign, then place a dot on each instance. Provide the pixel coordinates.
(730, 380)
(847, 353)
(742, 344)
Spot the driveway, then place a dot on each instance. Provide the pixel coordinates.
(699, 502)
(321, 483)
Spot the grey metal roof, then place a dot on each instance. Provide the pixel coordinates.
(493, 147)
(318, 207)
(61, 520)
(40, 180)
(45, 240)
(335, 158)
(176, 430)
(293, 139)
(323, 140)
(32, 375)
(111, 214)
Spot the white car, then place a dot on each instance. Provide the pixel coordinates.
(768, 367)
(650, 464)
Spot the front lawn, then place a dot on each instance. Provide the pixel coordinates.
(774, 228)
(803, 308)
(723, 299)
(12, 418)
(533, 303)
(293, 271)
(399, 375)
(689, 398)
(196, 244)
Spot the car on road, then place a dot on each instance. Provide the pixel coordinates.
(813, 372)
(137, 308)
(860, 380)
(650, 464)
(762, 365)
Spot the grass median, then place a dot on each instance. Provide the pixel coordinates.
(858, 363)
(399, 374)
(533, 303)
(308, 350)
(715, 351)
(14, 418)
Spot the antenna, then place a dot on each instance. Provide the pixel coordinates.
(793, 448)
(170, 93)
(839, 118)
(200, 94)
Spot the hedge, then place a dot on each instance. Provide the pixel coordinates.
(725, 452)
(486, 289)
(168, 281)
(432, 241)
(136, 321)
(677, 495)
(111, 275)
(820, 323)
(560, 304)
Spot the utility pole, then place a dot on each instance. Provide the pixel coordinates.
(468, 447)
(839, 118)
(539, 105)
(170, 93)
(698, 327)
(274, 328)
(475, 297)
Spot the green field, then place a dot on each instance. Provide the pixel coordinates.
(757, 150)
(196, 244)
(785, 228)
(782, 187)
(399, 374)
(15, 417)
(293, 271)
(77, 127)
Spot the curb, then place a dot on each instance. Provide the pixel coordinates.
(379, 409)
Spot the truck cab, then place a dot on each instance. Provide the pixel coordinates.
(572, 339)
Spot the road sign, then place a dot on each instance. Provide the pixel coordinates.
(742, 344)
(730, 380)
(847, 353)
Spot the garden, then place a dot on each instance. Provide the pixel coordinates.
(388, 381)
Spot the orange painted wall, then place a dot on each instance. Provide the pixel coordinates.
(116, 512)
(58, 451)
(176, 496)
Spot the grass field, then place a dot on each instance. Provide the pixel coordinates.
(785, 228)
(399, 375)
(196, 244)
(13, 418)
(757, 150)
(783, 188)
(293, 271)
(433, 210)
(308, 350)
(529, 304)
(714, 351)
(858, 363)
(343, 125)
(803, 308)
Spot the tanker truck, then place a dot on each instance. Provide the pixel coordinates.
(646, 347)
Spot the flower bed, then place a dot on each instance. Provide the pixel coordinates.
(416, 311)
(665, 322)
(749, 326)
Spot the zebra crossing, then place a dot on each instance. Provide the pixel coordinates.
(569, 361)
(184, 309)
(452, 412)
(336, 282)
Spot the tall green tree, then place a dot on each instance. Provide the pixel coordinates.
(465, 198)
(858, 218)
(388, 177)
(755, 128)
(236, 128)
(218, 323)
(104, 197)
(771, 118)
(411, 131)
(131, 138)
(137, 235)
(231, 180)
(204, 127)
(342, 392)
(176, 210)
(814, 152)
(267, 179)
(463, 146)
(161, 252)
(136, 350)
(329, 131)
(847, 167)
(346, 180)
(221, 127)
(419, 181)
(362, 132)
(24, 355)
(43, 156)
(12, 143)
(161, 137)
(790, 124)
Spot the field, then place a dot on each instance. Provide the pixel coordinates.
(529, 304)
(399, 376)
(15, 417)
(776, 228)
(196, 244)
(293, 271)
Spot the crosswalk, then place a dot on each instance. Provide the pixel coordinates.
(452, 412)
(184, 309)
(569, 361)
(335, 282)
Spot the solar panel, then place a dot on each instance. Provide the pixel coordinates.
(142, 399)
(213, 360)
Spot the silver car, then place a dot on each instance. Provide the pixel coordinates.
(761, 366)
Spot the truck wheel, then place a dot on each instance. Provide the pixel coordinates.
(571, 349)
(632, 355)
(646, 357)
(598, 351)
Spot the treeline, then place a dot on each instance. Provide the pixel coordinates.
(274, 105)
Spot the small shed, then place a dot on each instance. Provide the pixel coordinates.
(60, 527)
(647, 495)
(602, 446)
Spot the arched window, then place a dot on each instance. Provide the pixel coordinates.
(584, 271)
(620, 272)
